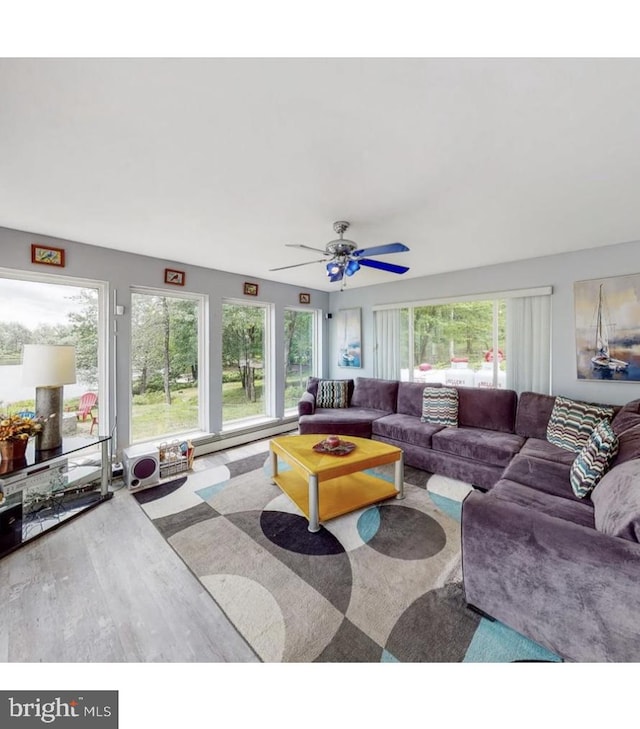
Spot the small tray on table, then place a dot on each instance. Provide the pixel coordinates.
(342, 449)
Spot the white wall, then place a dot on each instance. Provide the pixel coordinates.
(124, 270)
(559, 271)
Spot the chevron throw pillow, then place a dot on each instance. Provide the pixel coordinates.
(572, 422)
(594, 459)
(440, 406)
(333, 394)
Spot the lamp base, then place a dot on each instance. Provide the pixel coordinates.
(49, 408)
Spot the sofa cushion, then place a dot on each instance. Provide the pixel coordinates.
(626, 425)
(572, 422)
(627, 417)
(616, 501)
(332, 394)
(312, 386)
(594, 459)
(478, 444)
(628, 446)
(440, 406)
(546, 451)
(552, 477)
(373, 393)
(339, 421)
(533, 413)
(410, 398)
(405, 428)
(576, 511)
(480, 407)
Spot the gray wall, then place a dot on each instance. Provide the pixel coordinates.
(559, 271)
(124, 270)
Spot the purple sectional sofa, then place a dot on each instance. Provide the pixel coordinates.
(562, 570)
(477, 451)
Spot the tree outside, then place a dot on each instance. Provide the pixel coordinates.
(164, 366)
(298, 353)
(243, 361)
(461, 330)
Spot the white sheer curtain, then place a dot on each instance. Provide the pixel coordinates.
(529, 344)
(387, 345)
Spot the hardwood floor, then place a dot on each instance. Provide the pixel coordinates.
(106, 587)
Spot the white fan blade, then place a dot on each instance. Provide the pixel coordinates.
(308, 248)
(295, 265)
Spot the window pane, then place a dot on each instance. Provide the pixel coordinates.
(299, 355)
(164, 366)
(35, 312)
(243, 362)
(454, 343)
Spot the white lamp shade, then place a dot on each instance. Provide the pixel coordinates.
(48, 365)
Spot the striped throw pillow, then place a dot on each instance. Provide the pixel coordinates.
(594, 459)
(333, 394)
(440, 406)
(572, 422)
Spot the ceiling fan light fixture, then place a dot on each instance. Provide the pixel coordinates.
(333, 267)
(352, 267)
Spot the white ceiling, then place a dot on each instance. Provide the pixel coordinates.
(221, 162)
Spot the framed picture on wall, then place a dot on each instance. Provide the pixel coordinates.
(171, 276)
(349, 338)
(607, 326)
(47, 255)
(250, 289)
(304, 298)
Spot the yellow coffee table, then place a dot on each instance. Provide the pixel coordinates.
(324, 486)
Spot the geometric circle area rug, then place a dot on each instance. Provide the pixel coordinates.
(381, 584)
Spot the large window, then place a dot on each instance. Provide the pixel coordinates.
(166, 354)
(502, 341)
(461, 343)
(246, 393)
(300, 353)
(54, 310)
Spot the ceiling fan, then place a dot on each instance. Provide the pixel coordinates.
(345, 258)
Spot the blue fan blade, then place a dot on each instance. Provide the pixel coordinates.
(352, 267)
(380, 250)
(382, 265)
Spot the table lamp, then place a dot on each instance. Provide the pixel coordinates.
(49, 367)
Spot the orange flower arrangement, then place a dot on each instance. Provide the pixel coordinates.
(15, 427)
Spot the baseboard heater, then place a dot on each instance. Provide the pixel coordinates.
(237, 438)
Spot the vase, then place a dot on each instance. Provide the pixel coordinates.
(13, 450)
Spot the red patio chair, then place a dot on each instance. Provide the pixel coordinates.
(87, 403)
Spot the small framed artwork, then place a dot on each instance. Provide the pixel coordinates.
(171, 276)
(251, 289)
(47, 255)
(304, 298)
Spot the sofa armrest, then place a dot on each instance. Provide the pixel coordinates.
(306, 404)
(567, 586)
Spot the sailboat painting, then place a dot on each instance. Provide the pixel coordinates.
(608, 328)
